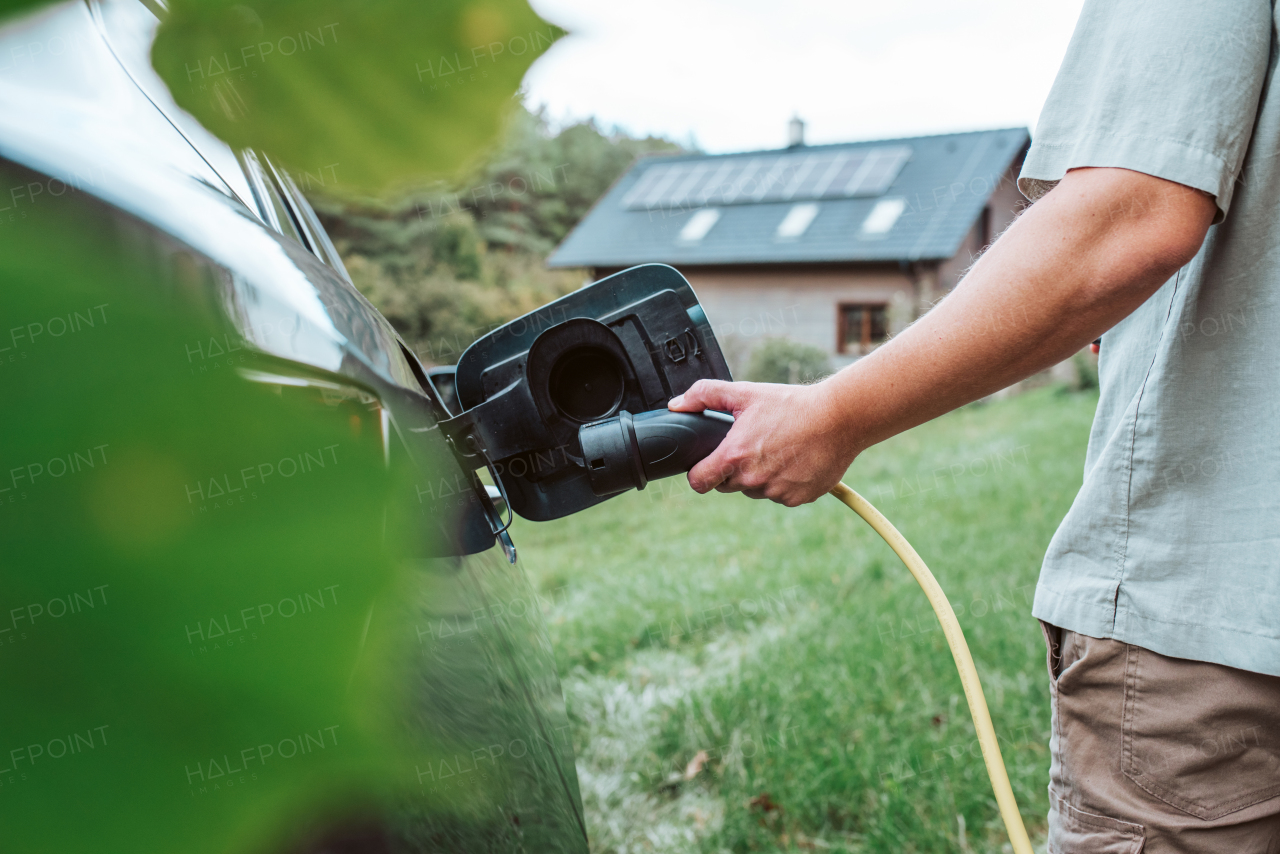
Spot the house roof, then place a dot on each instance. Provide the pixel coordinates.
(885, 200)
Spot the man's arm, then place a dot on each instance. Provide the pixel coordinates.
(1075, 264)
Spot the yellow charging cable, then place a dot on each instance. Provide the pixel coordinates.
(964, 662)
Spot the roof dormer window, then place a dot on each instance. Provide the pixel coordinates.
(882, 217)
(797, 221)
(699, 224)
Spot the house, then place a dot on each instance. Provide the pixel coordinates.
(837, 246)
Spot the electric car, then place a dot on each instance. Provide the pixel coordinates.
(563, 408)
(85, 120)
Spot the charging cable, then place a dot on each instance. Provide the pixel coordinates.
(627, 451)
(964, 662)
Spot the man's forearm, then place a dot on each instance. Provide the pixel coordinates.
(1083, 258)
(1078, 262)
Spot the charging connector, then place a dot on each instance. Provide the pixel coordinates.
(627, 451)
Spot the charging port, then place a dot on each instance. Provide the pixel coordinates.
(586, 384)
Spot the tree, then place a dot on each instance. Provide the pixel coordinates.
(448, 262)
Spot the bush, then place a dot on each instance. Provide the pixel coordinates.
(1086, 370)
(781, 360)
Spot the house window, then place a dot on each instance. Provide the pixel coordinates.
(862, 326)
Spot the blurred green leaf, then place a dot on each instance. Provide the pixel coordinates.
(188, 568)
(203, 674)
(12, 7)
(386, 92)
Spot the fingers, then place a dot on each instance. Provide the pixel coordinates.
(709, 474)
(787, 498)
(715, 470)
(764, 455)
(718, 473)
(724, 470)
(709, 394)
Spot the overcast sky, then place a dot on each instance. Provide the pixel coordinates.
(732, 72)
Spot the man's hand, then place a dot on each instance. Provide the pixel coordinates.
(1073, 266)
(785, 444)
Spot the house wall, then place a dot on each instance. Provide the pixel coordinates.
(1002, 209)
(745, 305)
(1007, 202)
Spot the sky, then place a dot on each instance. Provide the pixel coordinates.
(728, 75)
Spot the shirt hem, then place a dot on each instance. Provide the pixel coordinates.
(1190, 641)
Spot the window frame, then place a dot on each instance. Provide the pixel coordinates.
(865, 342)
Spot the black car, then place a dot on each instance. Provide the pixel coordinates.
(85, 121)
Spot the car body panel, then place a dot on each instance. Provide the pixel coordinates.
(129, 28)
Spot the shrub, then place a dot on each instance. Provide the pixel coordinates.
(1086, 371)
(781, 360)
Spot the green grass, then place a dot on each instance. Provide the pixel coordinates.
(744, 677)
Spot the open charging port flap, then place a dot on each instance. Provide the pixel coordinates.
(629, 342)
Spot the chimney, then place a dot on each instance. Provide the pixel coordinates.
(795, 132)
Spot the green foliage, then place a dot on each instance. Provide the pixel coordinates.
(781, 360)
(440, 313)
(449, 263)
(14, 7)
(179, 672)
(457, 244)
(794, 653)
(540, 184)
(1086, 371)
(390, 91)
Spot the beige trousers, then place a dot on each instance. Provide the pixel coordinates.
(1159, 755)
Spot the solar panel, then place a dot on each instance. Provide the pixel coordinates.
(782, 177)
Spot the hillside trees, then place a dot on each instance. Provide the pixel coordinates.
(450, 261)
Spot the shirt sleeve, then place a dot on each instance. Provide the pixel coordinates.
(1170, 89)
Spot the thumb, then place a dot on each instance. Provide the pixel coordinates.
(709, 394)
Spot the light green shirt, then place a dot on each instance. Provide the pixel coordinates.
(1173, 542)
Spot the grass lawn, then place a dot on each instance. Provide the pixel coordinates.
(744, 677)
